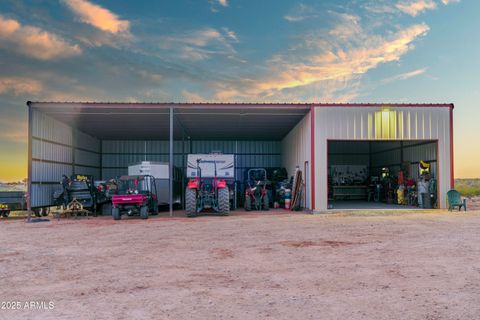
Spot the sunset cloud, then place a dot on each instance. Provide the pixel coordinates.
(352, 57)
(406, 75)
(445, 2)
(19, 86)
(201, 44)
(34, 42)
(223, 3)
(97, 16)
(414, 7)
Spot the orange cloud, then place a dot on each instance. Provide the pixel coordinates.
(406, 75)
(34, 42)
(97, 16)
(415, 7)
(340, 64)
(19, 85)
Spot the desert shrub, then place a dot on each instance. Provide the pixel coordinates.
(468, 190)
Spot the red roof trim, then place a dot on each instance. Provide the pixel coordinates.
(221, 104)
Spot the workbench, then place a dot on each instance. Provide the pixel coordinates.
(350, 192)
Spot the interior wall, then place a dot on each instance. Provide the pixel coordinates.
(57, 149)
(379, 154)
(296, 151)
(117, 155)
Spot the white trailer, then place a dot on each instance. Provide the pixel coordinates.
(225, 164)
(160, 171)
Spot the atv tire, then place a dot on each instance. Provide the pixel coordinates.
(266, 204)
(223, 201)
(5, 214)
(144, 212)
(116, 213)
(191, 202)
(248, 203)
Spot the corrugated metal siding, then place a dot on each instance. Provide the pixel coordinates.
(386, 158)
(358, 123)
(118, 155)
(113, 173)
(85, 141)
(53, 158)
(338, 159)
(49, 172)
(51, 152)
(296, 150)
(45, 127)
(87, 158)
(95, 172)
(42, 194)
(426, 152)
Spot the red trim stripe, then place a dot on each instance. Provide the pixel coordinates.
(312, 154)
(452, 178)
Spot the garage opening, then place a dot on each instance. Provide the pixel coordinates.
(104, 139)
(382, 174)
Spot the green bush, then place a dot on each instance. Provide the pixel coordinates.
(468, 190)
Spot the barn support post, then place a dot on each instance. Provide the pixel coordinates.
(170, 180)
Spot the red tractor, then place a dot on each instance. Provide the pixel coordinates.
(136, 195)
(256, 193)
(207, 193)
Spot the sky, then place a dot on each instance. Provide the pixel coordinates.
(424, 51)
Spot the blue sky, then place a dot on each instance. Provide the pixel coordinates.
(232, 50)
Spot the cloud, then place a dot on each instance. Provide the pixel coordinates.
(223, 3)
(18, 86)
(312, 67)
(406, 75)
(193, 97)
(230, 34)
(414, 7)
(34, 42)
(97, 16)
(201, 44)
(445, 2)
(300, 13)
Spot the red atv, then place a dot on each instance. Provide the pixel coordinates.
(207, 193)
(136, 195)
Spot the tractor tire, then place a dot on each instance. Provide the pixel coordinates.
(5, 214)
(116, 213)
(248, 203)
(191, 202)
(144, 212)
(266, 203)
(223, 201)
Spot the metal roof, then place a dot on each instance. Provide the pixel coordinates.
(199, 121)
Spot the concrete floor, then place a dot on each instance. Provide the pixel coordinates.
(365, 205)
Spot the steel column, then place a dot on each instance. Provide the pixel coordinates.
(170, 180)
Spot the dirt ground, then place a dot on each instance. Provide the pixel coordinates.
(364, 265)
